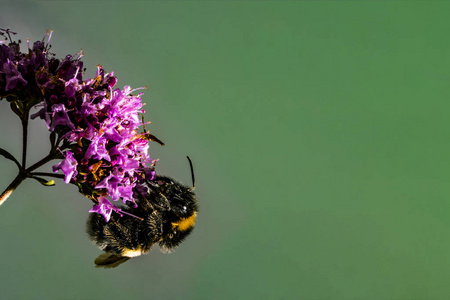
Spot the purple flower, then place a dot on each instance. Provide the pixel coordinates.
(68, 166)
(13, 76)
(104, 208)
(150, 173)
(111, 184)
(126, 192)
(60, 117)
(42, 113)
(97, 149)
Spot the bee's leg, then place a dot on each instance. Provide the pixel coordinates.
(108, 260)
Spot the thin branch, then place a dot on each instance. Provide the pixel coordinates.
(18, 180)
(60, 176)
(42, 162)
(9, 156)
(24, 139)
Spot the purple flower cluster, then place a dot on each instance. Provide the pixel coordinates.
(105, 153)
(94, 125)
(24, 75)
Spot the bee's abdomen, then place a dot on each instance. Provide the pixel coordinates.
(118, 236)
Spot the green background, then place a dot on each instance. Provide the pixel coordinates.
(320, 137)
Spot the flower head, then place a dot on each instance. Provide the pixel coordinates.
(99, 125)
(23, 76)
(95, 124)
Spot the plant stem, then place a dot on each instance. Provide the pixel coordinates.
(23, 174)
(18, 180)
(42, 162)
(25, 138)
(60, 176)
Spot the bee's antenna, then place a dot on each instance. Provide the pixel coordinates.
(192, 172)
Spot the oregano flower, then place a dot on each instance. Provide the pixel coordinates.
(94, 125)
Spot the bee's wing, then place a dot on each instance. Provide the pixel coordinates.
(109, 260)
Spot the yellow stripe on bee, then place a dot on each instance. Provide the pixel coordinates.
(131, 252)
(185, 224)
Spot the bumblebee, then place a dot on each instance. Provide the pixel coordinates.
(167, 213)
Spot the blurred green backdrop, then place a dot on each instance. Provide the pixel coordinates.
(319, 132)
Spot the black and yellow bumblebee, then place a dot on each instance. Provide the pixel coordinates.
(168, 214)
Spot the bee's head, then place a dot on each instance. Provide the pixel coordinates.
(179, 213)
